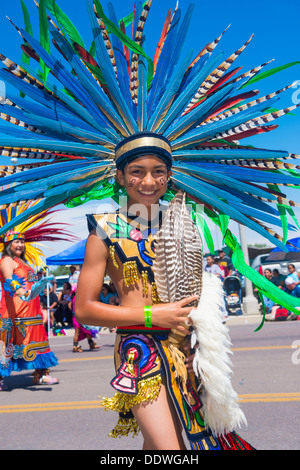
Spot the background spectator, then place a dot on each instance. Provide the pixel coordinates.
(225, 260)
(53, 303)
(73, 276)
(106, 294)
(293, 273)
(63, 314)
(279, 277)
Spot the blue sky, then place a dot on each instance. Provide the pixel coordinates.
(275, 25)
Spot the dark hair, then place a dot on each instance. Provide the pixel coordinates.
(7, 252)
(293, 266)
(68, 285)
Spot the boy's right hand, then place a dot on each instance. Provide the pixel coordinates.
(173, 315)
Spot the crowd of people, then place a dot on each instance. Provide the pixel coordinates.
(289, 284)
(61, 309)
(222, 266)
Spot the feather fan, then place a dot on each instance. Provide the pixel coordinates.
(178, 270)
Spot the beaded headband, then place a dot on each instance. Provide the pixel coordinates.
(140, 144)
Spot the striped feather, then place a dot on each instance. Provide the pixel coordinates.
(134, 83)
(238, 109)
(260, 121)
(107, 42)
(213, 78)
(208, 49)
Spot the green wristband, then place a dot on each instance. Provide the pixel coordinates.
(148, 316)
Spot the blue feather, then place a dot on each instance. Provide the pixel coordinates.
(43, 172)
(169, 95)
(109, 73)
(69, 104)
(58, 113)
(194, 71)
(93, 151)
(209, 131)
(254, 202)
(57, 183)
(88, 81)
(229, 154)
(184, 98)
(197, 115)
(180, 39)
(121, 64)
(254, 212)
(137, 15)
(249, 174)
(65, 77)
(160, 76)
(225, 180)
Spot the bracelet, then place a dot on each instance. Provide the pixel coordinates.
(12, 285)
(148, 316)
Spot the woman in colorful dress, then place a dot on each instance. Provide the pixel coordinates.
(24, 339)
(24, 342)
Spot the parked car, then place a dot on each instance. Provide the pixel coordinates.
(277, 260)
(260, 259)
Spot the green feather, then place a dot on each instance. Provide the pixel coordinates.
(127, 19)
(203, 228)
(44, 36)
(268, 73)
(28, 28)
(99, 191)
(64, 22)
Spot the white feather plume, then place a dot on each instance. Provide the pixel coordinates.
(212, 363)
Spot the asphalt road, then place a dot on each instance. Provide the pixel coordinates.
(67, 416)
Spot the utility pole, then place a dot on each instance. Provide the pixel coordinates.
(250, 303)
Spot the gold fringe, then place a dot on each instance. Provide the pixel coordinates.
(145, 282)
(124, 427)
(130, 273)
(154, 294)
(122, 402)
(112, 252)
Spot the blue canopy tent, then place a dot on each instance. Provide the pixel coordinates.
(72, 255)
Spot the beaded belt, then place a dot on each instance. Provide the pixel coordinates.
(142, 328)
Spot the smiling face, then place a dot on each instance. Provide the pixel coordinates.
(17, 247)
(145, 180)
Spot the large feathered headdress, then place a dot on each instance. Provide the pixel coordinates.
(33, 231)
(94, 105)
